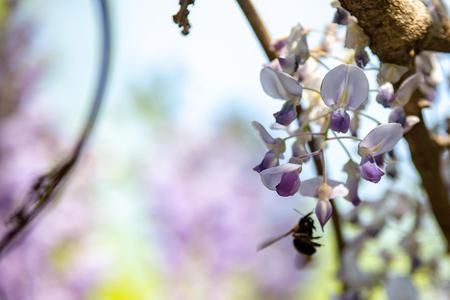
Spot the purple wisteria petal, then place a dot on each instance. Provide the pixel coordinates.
(289, 184)
(340, 121)
(361, 57)
(390, 73)
(288, 64)
(280, 44)
(355, 36)
(406, 90)
(398, 115)
(272, 177)
(345, 86)
(309, 188)
(297, 46)
(270, 160)
(371, 172)
(279, 85)
(287, 114)
(265, 136)
(381, 139)
(341, 16)
(352, 182)
(385, 94)
(323, 211)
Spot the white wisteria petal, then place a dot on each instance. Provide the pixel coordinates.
(410, 122)
(339, 191)
(265, 136)
(279, 85)
(381, 139)
(345, 86)
(390, 73)
(406, 90)
(271, 177)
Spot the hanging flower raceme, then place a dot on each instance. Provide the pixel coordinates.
(344, 88)
(283, 179)
(280, 85)
(323, 190)
(275, 146)
(380, 140)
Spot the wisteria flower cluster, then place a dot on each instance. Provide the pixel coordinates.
(312, 117)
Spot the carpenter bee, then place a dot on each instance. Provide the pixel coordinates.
(303, 237)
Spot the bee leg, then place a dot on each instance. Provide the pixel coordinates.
(316, 244)
(315, 237)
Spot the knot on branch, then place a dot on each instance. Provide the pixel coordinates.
(396, 27)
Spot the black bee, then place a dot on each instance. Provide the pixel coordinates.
(303, 237)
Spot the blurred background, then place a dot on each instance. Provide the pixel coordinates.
(163, 204)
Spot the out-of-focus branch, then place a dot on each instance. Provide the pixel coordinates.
(46, 187)
(258, 27)
(426, 155)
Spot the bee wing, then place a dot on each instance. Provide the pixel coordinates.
(271, 241)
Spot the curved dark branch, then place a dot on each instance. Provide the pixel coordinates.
(46, 187)
(258, 27)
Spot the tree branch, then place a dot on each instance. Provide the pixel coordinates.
(47, 186)
(426, 155)
(258, 27)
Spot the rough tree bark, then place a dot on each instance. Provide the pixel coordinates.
(399, 29)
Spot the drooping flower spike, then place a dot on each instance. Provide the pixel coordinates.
(323, 191)
(380, 140)
(283, 179)
(344, 88)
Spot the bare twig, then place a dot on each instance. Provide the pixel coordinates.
(258, 27)
(181, 17)
(46, 187)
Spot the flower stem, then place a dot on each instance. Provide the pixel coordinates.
(343, 146)
(304, 133)
(258, 27)
(320, 62)
(368, 117)
(311, 89)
